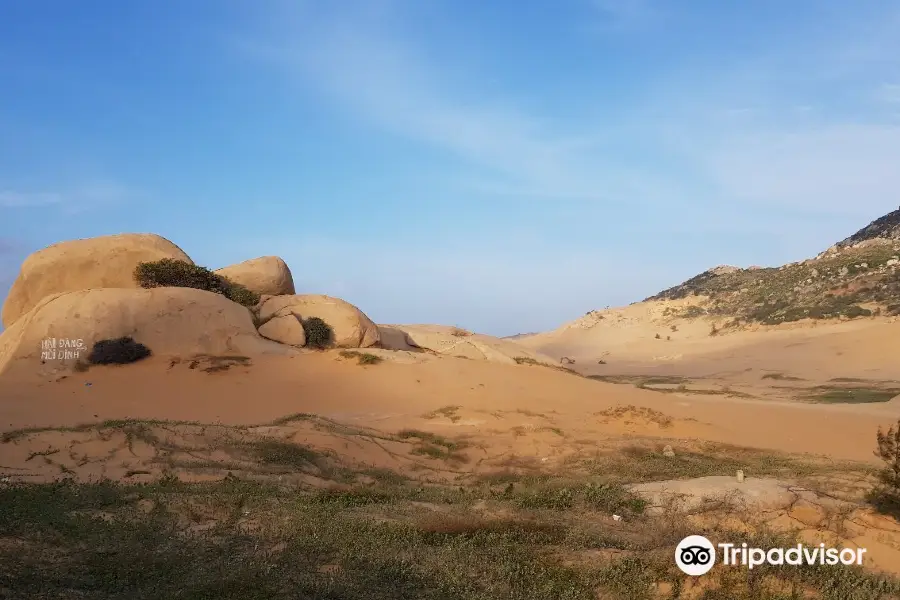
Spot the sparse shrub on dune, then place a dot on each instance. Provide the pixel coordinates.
(887, 495)
(177, 273)
(119, 351)
(362, 358)
(460, 332)
(319, 334)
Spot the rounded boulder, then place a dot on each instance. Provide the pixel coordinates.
(175, 322)
(266, 275)
(101, 262)
(352, 328)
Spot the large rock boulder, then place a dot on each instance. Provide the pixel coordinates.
(352, 328)
(267, 275)
(286, 329)
(170, 321)
(101, 262)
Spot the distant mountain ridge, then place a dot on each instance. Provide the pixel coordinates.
(857, 277)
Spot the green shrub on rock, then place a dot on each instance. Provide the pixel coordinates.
(178, 273)
(120, 351)
(318, 333)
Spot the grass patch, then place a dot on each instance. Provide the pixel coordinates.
(653, 383)
(541, 537)
(609, 498)
(638, 464)
(434, 446)
(850, 395)
(362, 358)
(284, 454)
(631, 412)
(448, 412)
(641, 380)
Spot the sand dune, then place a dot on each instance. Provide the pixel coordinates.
(625, 339)
(392, 396)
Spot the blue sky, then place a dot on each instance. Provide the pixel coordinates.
(501, 166)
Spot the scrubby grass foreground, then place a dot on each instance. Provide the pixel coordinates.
(401, 540)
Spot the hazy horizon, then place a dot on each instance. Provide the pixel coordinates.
(504, 168)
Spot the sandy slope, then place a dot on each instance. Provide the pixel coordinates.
(391, 396)
(626, 340)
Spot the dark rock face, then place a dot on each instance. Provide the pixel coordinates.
(886, 227)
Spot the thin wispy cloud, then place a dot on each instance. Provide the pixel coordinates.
(381, 78)
(17, 199)
(90, 196)
(761, 156)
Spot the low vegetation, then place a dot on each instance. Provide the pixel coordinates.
(169, 272)
(237, 539)
(833, 394)
(640, 463)
(669, 384)
(448, 412)
(434, 446)
(887, 495)
(362, 358)
(373, 533)
(119, 351)
(319, 334)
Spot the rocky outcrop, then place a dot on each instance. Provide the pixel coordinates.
(352, 328)
(101, 262)
(170, 321)
(885, 228)
(267, 275)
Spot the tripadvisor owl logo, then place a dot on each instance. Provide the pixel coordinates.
(695, 555)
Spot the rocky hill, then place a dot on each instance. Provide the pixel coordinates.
(886, 227)
(857, 277)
